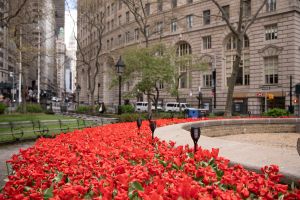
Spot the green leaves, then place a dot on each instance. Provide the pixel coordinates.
(48, 193)
(133, 188)
(58, 178)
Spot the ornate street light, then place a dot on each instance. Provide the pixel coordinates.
(139, 122)
(195, 134)
(120, 69)
(78, 88)
(152, 127)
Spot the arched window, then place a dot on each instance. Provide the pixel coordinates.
(243, 77)
(183, 49)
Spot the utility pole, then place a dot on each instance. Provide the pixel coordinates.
(39, 65)
(20, 68)
(39, 57)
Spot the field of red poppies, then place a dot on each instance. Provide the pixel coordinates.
(117, 162)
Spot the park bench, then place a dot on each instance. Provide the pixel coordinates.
(16, 130)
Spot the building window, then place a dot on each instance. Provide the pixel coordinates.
(227, 12)
(173, 25)
(127, 17)
(232, 43)
(112, 24)
(183, 49)
(206, 17)
(207, 80)
(271, 5)
(147, 31)
(243, 75)
(120, 39)
(127, 36)
(271, 69)
(189, 1)
(159, 5)
(271, 32)
(107, 45)
(112, 8)
(161, 85)
(136, 34)
(206, 42)
(174, 3)
(147, 9)
(247, 8)
(108, 10)
(120, 20)
(159, 28)
(120, 4)
(189, 21)
(111, 42)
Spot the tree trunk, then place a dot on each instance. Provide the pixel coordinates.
(232, 79)
(149, 103)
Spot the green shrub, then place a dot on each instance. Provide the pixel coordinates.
(129, 117)
(84, 109)
(127, 109)
(34, 108)
(31, 108)
(219, 113)
(2, 108)
(276, 112)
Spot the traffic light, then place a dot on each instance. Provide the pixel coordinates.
(296, 101)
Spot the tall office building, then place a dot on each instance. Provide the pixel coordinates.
(271, 50)
(7, 55)
(59, 14)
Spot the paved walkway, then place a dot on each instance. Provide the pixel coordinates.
(251, 156)
(6, 152)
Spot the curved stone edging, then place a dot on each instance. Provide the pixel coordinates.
(212, 128)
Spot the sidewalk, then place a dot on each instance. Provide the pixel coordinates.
(252, 157)
(6, 152)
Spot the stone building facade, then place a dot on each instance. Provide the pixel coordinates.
(271, 54)
(7, 55)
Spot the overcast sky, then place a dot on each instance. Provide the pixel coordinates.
(70, 17)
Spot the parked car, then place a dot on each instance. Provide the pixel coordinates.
(176, 107)
(143, 107)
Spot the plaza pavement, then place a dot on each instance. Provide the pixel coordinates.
(251, 156)
(6, 152)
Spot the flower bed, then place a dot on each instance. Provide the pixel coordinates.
(115, 162)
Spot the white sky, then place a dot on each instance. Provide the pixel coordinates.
(70, 18)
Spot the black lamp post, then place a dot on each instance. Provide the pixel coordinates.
(120, 69)
(199, 97)
(152, 127)
(139, 122)
(98, 92)
(78, 88)
(214, 82)
(195, 134)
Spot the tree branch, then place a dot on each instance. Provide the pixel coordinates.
(233, 30)
(255, 16)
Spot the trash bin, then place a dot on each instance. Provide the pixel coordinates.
(192, 113)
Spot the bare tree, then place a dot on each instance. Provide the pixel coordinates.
(95, 21)
(9, 14)
(239, 32)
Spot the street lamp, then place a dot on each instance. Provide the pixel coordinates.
(199, 97)
(214, 76)
(98, 92)
(120, 69)
(152, 125)
(78, 88)
(11, 74)
(195, 134)
(139, 122)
